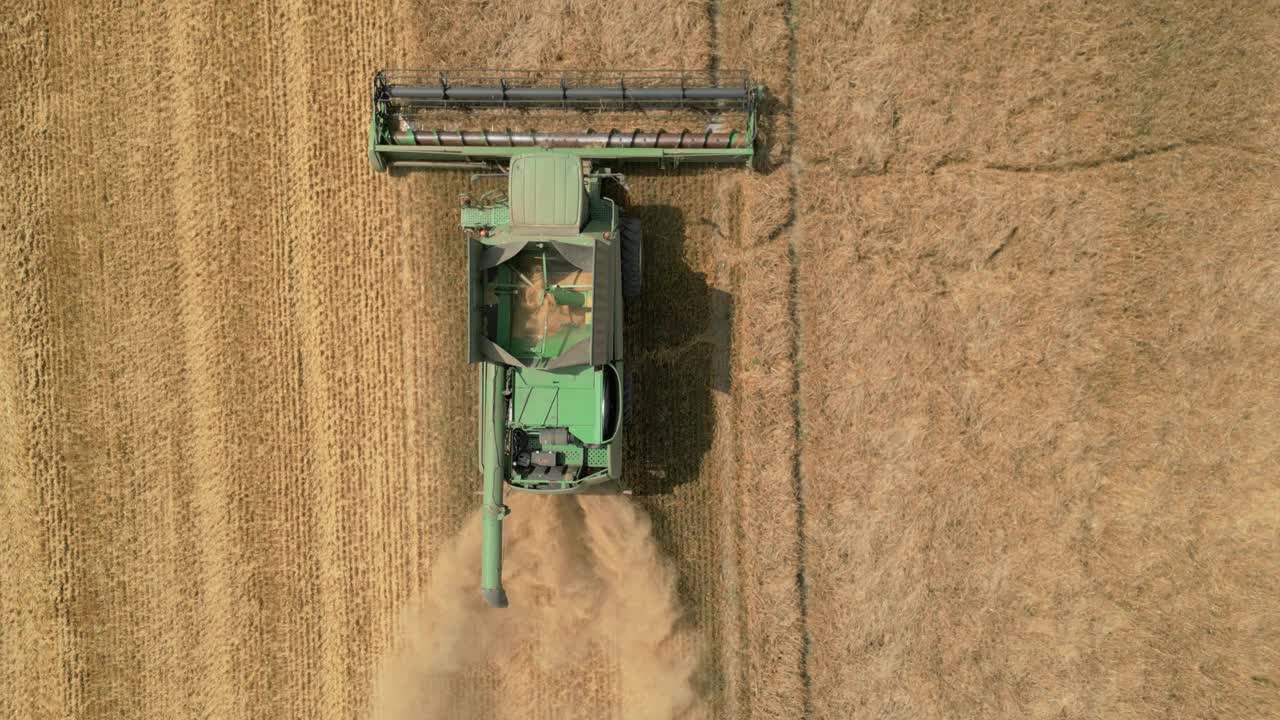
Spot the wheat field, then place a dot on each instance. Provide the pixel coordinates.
(964, 404)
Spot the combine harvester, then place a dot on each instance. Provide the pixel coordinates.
(552, 258)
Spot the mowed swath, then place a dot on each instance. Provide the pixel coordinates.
(1035, 458)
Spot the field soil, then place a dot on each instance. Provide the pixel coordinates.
(965, 403)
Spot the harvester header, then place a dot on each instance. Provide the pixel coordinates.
(481, 118)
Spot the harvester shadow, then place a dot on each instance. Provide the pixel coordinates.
(677, 335)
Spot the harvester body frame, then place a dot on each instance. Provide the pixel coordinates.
(551, 260)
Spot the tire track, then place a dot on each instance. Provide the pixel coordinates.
(763, 274)
(131, 357)
(287, 564)
(725, 453)
(793, 311)
(347, 274)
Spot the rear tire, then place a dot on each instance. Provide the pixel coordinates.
(610, 418)
(632, 257)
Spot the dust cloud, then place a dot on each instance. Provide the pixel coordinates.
(595, 628)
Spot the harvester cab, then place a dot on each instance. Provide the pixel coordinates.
(552, 258)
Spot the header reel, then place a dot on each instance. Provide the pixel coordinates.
(475, 118)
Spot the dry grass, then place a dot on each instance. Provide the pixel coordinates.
(1040, 461)
(969, 410)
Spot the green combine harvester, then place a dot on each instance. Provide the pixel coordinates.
(552, 258)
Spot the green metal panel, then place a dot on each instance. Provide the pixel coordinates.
(559, 398)
(474, 289)
(598, 457)
(600, 216)
(572, 453)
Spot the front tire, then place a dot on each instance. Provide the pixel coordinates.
(632, 258)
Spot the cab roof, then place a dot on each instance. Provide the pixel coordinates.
(546, 195)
